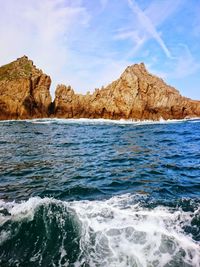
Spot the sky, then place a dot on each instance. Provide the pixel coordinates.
(89, 43)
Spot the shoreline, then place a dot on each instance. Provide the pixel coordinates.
(100, 120)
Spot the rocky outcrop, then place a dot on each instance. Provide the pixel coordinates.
(135, 95)
(24, 91)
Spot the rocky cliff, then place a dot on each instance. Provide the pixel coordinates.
(135, 95)
(24, 91)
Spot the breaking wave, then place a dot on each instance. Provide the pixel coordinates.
(101, 121)
(120, 231)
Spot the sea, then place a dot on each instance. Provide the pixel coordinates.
(102, 193)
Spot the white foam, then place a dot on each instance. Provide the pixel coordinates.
(102, 121)
(129, 234)
(105, 121)
(120, 232)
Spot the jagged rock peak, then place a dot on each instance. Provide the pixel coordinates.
(134, 72)
(136, 68)
(137, 94)
(23, 59)
(66, 88)
(24, 90)
(20, 68)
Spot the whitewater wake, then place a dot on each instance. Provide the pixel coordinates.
(114, 232)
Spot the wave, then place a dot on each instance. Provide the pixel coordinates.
(101, 121)
(114, 232)
(106, 121)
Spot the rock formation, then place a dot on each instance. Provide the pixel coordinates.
(24, 91)
(135, 95)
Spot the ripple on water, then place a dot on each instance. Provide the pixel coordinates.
(74, 176)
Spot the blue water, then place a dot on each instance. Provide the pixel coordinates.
(99, 193)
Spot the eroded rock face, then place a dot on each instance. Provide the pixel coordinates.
(135, 95)
(24, 91)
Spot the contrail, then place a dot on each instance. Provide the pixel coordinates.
(148, 25)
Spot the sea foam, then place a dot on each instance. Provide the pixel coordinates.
(117, 231)
(101, 121)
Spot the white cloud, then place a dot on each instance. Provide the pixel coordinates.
(181, 67)
(148, 26)
(57, 35)
(136, 36)
(159, 11)
(100, 70)
(77, 44)
(185, 64)
(144, 25)
(41, 29)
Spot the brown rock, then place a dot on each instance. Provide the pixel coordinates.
(24, 91)
(135, 95)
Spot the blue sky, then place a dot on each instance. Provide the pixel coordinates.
(88, 43)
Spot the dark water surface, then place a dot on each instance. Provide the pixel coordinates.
(99, 193)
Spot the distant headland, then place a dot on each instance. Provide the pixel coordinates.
(137, 95)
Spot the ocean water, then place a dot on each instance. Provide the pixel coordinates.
(99, 193)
